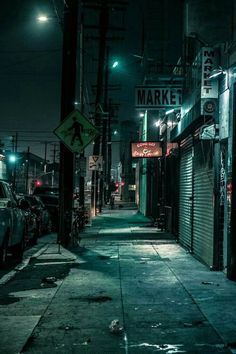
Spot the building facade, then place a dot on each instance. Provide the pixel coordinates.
(196, 181)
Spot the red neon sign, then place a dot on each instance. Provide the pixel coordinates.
(146, 149)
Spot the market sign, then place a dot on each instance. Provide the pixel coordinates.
(146, 149)
(153, 97)
(209, 87)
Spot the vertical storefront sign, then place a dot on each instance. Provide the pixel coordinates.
(209, 87)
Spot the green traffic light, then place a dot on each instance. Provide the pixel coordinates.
(12, 158)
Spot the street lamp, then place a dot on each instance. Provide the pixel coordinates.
(43, 18)
(217, 72)
(115, 64)
(12, 158)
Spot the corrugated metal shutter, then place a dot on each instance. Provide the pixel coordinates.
(203, 207)
(185, 193)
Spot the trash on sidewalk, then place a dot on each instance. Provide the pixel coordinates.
(48, 282)
(115, 327)
(209, 283)
(188, 324)
(66, 327)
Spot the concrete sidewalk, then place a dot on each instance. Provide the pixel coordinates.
(164, 299)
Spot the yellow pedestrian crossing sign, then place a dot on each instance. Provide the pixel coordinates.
(76, 131)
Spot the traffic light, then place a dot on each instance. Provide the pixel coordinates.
(38, 183)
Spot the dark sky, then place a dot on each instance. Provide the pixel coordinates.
(30, 62)
(30, 70)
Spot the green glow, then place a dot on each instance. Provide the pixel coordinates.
(115, 64)
(12, 158)
(42, 18)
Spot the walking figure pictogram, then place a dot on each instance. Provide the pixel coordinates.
(78, 129)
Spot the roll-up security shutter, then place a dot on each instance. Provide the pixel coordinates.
(185, 193)
(203, 208)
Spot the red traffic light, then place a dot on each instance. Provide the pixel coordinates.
(38, 183)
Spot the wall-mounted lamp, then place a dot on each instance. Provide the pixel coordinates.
(169, 112)
(217, 72)
(157, 123)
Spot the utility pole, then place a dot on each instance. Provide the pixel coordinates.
(109, 151)
(15, 146)
(27, 171)
(103, 26)
(68, 91)
(103, 180)
(53, 164)
(45, 157)
(81, 92)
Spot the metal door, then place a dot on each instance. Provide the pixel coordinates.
(185, 193)
(203, 203)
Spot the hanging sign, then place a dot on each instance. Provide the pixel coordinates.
(146, 149)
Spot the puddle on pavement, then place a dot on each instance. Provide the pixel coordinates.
(167, 348)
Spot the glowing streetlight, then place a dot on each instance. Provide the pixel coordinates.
(169, 111)
(115, 64)
(157, 123)
(42, 18)
(12, 158)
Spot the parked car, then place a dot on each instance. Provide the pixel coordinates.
(51, 202)
(46, 190)
(12, 224)
(31, 222)
(39, 209)
(50, 197)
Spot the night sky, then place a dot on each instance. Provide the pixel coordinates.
(30, 69)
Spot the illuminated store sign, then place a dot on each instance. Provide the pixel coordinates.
(157, 97)
(146, 149)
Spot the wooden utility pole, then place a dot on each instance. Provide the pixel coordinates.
(103, 26)
(81, 93)
(68, 92)
(27, 171)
